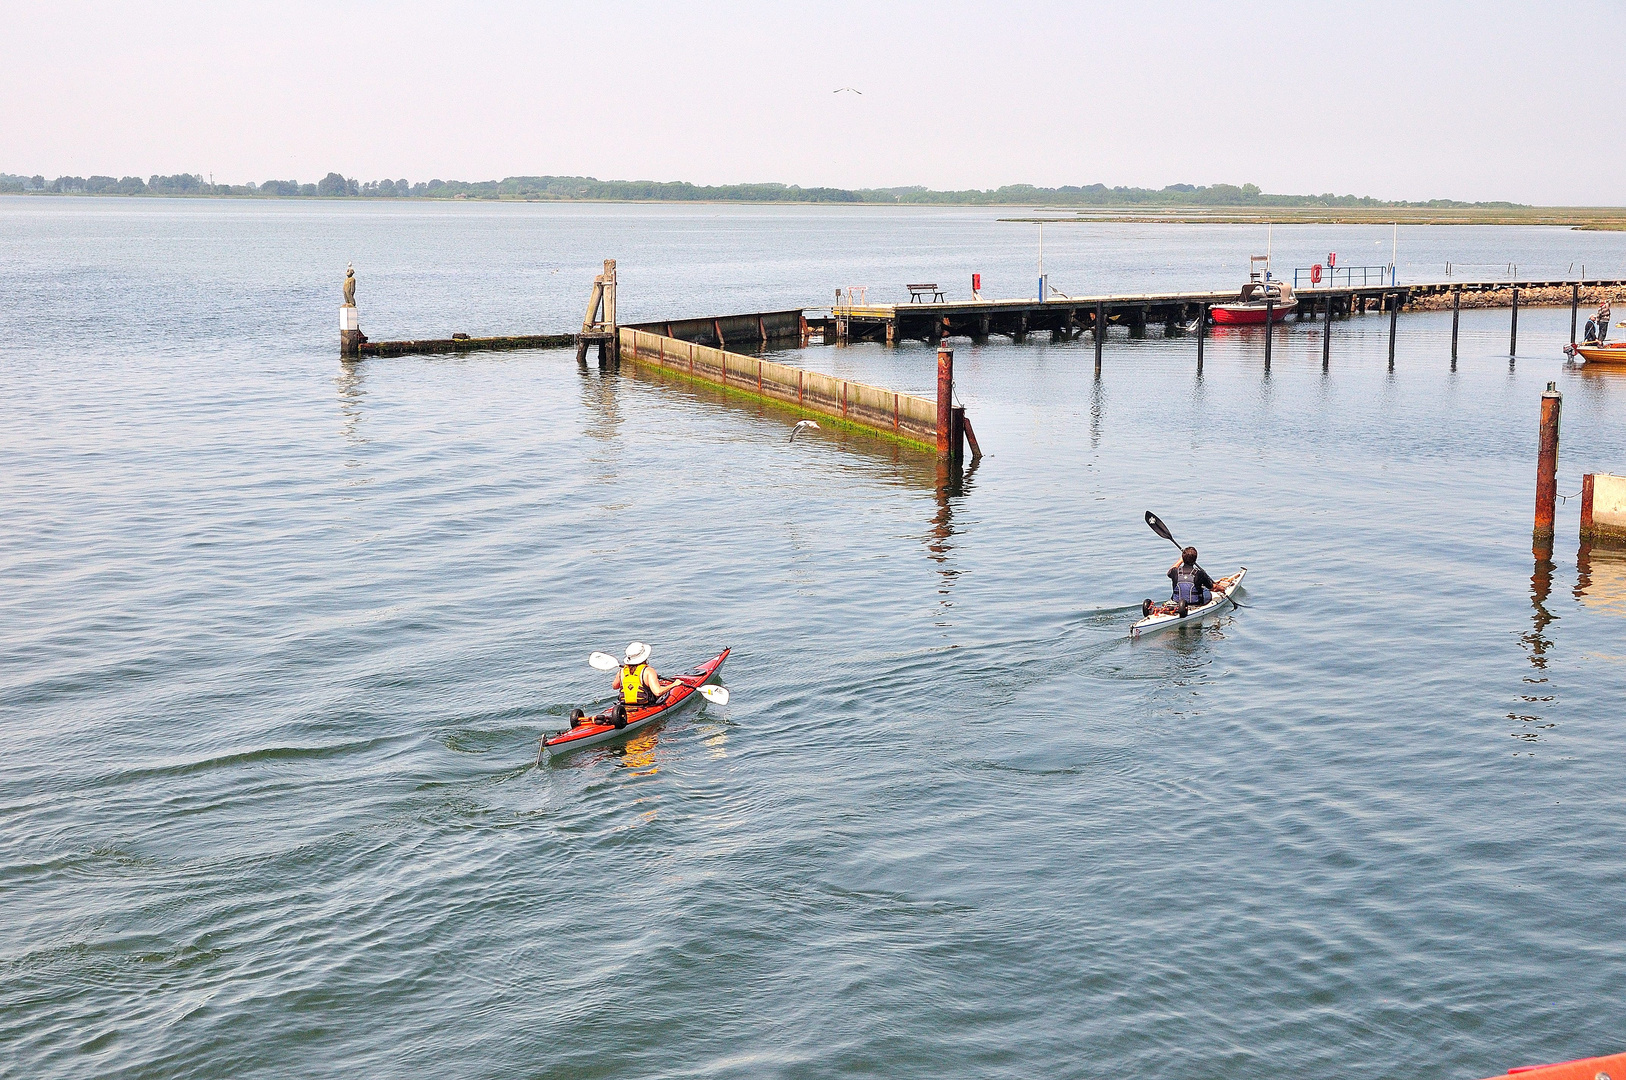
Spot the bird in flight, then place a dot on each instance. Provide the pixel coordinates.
(848, 90)
(800, 425)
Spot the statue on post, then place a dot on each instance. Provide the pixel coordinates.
(350, 286)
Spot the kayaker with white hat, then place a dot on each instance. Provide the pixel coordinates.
(636, 683)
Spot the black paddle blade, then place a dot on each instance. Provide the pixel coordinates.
(1158, 527)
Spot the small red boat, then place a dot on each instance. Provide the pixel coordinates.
(593, 730)
(1250, 308)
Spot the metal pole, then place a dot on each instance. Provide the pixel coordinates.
(1513, 329)
(1326, 335)
(1456, 317)
(1270, 307)
(1541, 538)
(1394, 318)
(1575, 307)
(1202, 333)
(1100, 332)
(945, 400)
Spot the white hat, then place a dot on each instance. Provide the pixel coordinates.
(637, 653)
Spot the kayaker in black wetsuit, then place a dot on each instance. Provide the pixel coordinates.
(1192, 585)
(636, 684)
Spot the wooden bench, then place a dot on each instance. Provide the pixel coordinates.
(919, 293)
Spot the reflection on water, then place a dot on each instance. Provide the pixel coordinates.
(1600, 578)
(603, 402)
(953, 482)
(352, 384)
(1536, 643)
(638, 752)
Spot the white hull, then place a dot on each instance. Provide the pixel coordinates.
(1222, 597)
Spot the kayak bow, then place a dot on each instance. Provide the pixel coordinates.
(595, 730)
(1167, 615)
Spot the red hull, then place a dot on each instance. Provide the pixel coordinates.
(598, 729)
(1248, 314)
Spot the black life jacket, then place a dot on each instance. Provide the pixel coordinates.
(1185, 584)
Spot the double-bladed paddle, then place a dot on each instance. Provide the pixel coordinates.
(1162, 530)
(717, 695)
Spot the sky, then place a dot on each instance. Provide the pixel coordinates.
(1474, 101)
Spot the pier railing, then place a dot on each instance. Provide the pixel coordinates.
(1344, 277)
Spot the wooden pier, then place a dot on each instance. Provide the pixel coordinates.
(1068, 317)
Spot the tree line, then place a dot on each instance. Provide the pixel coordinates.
(587, 188)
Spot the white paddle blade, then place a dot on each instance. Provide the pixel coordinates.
(717, 695)
(603, 661)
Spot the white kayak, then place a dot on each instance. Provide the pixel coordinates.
(1166, 615)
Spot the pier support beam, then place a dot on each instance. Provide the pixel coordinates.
(1137, 322)
(1541, 537)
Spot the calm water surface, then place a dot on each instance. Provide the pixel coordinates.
(278, 639)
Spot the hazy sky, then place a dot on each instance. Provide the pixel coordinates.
(1482, 100)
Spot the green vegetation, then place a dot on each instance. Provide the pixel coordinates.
(1217, 203)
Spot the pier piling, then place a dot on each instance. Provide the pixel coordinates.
(1541, 537)
(1202, 333)
(1575, 307)
(1100, 333)
(1326, 336)
(1513, 327)
(350, 338)
(1270, 309)
(947, 430)
(1456, 319)
(1394, 319)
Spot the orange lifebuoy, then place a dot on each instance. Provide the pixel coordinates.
(1315, 274)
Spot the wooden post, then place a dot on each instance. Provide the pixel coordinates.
(1100, 332)
(1588, 528)
(1513, 327)
(1575, 307)
(945, 400)
(1202, 332)
(1326, 335)
(1541, 537)
(1456, 318)
(1270, 308)
(1394, 319)
(957, 434)
(611, 351)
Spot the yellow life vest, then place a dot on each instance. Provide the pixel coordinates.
(633, 690)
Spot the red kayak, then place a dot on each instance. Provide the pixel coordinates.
(607, 725)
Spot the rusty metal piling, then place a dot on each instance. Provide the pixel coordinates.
(1541, 537)
(1394, 319)
(1270, 309)
(1326, 335)
(1100, 333)
(1575, 308)
(1202, 333)
(946, 427)
(1456, 319)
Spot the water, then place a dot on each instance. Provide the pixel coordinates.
(279, 641)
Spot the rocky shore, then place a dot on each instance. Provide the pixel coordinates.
(1503, 298)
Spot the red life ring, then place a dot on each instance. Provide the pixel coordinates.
(1315, 274)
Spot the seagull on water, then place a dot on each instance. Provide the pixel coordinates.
(800, 424)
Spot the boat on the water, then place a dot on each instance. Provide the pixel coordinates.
(617, 723)
(1166, 615)
(1595, 353)
(1250, 307)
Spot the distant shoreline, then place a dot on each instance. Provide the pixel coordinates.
(1582, 218)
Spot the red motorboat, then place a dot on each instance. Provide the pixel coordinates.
(1249, 310)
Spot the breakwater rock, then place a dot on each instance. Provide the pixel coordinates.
(1500, 298)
